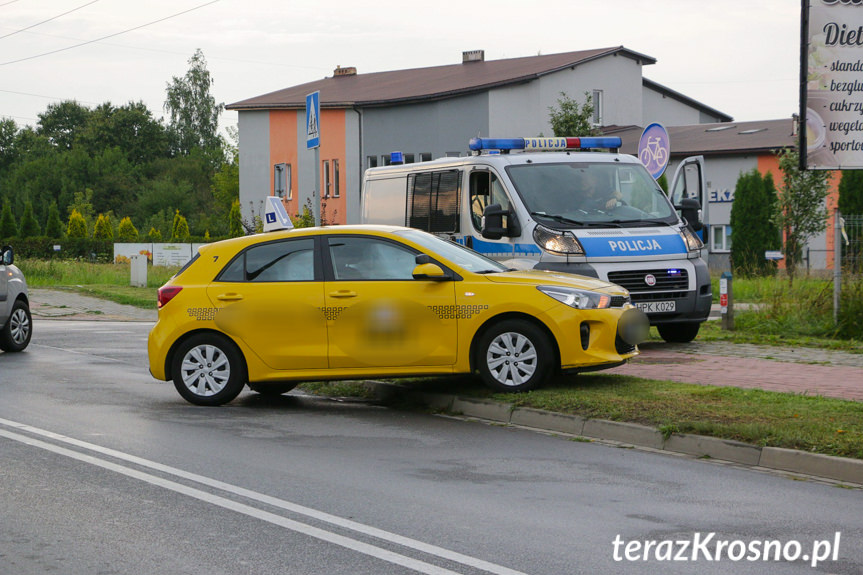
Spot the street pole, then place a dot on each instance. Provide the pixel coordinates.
(837, 265)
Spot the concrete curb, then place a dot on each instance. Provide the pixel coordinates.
(841, 469)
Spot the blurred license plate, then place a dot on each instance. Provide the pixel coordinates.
(656, 306)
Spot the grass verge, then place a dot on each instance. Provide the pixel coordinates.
(764, 418)
(106, 281)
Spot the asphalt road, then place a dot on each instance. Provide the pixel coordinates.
(105, 470)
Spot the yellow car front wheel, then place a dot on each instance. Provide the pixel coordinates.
(514, 355)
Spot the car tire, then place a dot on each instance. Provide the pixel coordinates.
(208, 369)
(513, 356)
(272, 389)
(16, 334)
(678, 332)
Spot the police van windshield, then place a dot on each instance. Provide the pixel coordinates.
(574, 194)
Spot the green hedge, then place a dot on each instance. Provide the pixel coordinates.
(87, 249)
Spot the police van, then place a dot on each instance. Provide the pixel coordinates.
(561, 204)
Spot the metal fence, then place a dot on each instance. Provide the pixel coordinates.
(852, 244)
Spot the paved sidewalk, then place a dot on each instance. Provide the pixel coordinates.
(806, 371)
(62, 304)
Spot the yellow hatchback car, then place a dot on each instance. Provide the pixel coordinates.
(348, 302)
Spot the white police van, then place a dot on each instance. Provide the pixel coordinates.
(546, 203)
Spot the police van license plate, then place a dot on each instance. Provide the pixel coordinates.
(656, 306)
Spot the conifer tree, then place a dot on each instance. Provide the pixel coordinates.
(126, 231)
(54, 226)
(77, 227)
(103, 230)
(8, 228)
(29, 225)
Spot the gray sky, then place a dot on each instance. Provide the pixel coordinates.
(738, 56)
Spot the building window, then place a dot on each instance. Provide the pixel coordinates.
(596, 100)
(720, 238)
(282, 181)
(385, 160)
(326, 179)
(453, 154)
(372, 162)
(336, 178)
(409, 159)
(425, 157)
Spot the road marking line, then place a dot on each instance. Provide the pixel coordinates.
(343, 541)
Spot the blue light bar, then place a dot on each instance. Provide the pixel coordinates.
(545, 144)
(397, 158)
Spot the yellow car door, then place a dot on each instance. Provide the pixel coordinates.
(378, 315)
(271, 298)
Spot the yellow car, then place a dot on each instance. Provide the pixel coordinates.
(347, 302)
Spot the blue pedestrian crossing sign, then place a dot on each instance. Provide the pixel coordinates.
(313, 114)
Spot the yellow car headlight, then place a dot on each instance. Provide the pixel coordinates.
(577, 298)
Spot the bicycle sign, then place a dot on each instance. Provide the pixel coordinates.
(654, 149)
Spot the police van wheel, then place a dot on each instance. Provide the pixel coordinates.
(208, 370)
(514, 355)
(678, 332)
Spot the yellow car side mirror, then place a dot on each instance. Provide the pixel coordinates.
(429, 272)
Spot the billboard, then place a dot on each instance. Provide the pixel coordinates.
(831, 94)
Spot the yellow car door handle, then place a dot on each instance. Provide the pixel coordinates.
(343, 293)
(229, 297)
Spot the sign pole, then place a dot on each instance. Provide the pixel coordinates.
(313, 141)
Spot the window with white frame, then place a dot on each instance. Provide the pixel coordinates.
(282, 181)
(372, 162)
(596, 100)
(336, 178)
(720, 238)
(325, 168)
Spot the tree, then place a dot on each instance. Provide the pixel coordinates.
(103, 230)
(154, 235)
(235, 220)
(194, 114)
(77, 227)
(800, 210)
(54, 227)
(60, 123)
(126, 231)
(8, 228)
(29, 224)
(180, 228)
(752, 230)
(571, 118)
(851, 192)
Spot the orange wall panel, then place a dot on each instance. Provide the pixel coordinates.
(333, 147)
(283, 149)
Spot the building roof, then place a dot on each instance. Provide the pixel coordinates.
(427, 84)
(673, 94)
(716, 139)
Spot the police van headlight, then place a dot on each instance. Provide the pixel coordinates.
(692, 241)
(577, 298)
(556, 241)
